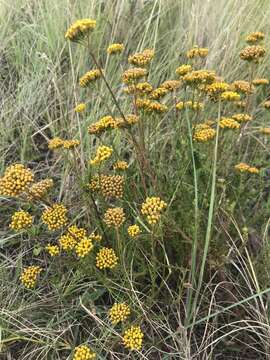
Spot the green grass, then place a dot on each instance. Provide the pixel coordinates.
(198, 284)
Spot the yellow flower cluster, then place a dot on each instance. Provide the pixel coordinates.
(252, 53)
(106, 258)
(103, 153)
(79, 29)
(29, 276)
(230, 96)
(228, 123)
(142, 58)
(69, 240)
(115, 49)
(183, 70)
(83, 352)
(204, 133)
(95, 237)
(140, 88)
(118, 313)
(192, 105)
(170, 85)
(255, 37)
(133, 338)
(133, 74)
(242, 86)
(151, 106)
(105, 123)
(39, 190)
(243, 167)
(130, 119)
(55, 143)
(21, 220)
(70, 144)
(158, 93)
(89, 77)
(53, 250)
(76, 232)
(152, 208)
(111, 186)
(216, 89)
(83, 247)
(114, 217)
(55, 216)
(266, 104)
(199, 77)
(94, 183)
(80, 108)
(258, 82)
(241, 104)
(197, 52)
(265, 131)
(120, 165)
(242, 117)
(16, 179)
(134, 230)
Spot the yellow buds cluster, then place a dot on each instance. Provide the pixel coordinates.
(133, 74)
(255, 37)
(29, 276)
(67, 242)
(83, 247)
(183, 70)
(94, 183)
(139, 88)
(258, 82)
(103, 153)
(142, 58)
(55, 143)
(106, 258)
(111, 186)
(151, 106)
(265, 131)
(170, 85)
(216, 89)
(134, 230)
(243, 167)
(120, 165)
(115, 49)
(230, 96)
(90, 77)
(197, 52)
(114, 217)
(152, 208)
(95, 237)
(242, 86)
(199, 77)
(16, 179)
(241, 104)
(76, 232)
(266, 105)
(55, 217)
(203, 133)
(119, 312)
(252, 53)
(80, 108)
(130, 119)
(158, 93)
(70, 144)
(39, 190)
(80, 29)
(83, 352)
(53, 250)
(105, 123)
(21, 220)
(228, 123)
(192, 105)
(242, 117)
(133, 338)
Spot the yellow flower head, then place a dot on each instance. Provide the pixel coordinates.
(253, 53)
(141, 88)
(89, 77)
(230, 96)
(197, 52)
(115, 49)
(258, 82)
(133, 338)
(204, 134)
(105, 123)
(255, 37)
(80, 29)
(228, 123)
(16, 180)
(83, 247)
(242, 117)
(129, 120)
(142, 58)
(106, 258)
(80, 108)
(76, 232)
(39, 190)
(55, 217)
(183, 70)
(111, 186)
(192, 105)
(134, 230)
(94, 183)
(29, 276)
(53, 250)
(67, 242)
(55, 143)
(152, 208)
(114, 217)
(120, 165)
(242, 86)
(151, 106)
(21, 220)
(170, 85)
(83, 352)
(216, 89)
(266, 105)
(70, 144)
(265, 131)
(243, 167)
(95, 237)
(158, 93)
(133, 74)
(103, 153)
(199, 77)
(118, 313)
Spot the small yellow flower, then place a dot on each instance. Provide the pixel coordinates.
(183, 70)
(55, 217)
(253, 53)
(53, 250)
(76, 232)
(105, 123)
(255, 37)
(115, 49)
(29, 276)
(106, 258)
(158, 93)
(80, 108)
(111, 186)
(228, 123)
(55, 143)
(258, 82)
(39, 190)
(133, 338)
(21, 220)
(114, 217)
(83, 247)
(16, 180)
(266, 105)
(70, 144)
(133, 74)
(204, 134)
(192, 105)
(265, 131)
(199, 77)
(243, 167)
(230, 96)
(142, 58)
(242, 117)
(170, 85)
(120, 165)
(134, 230)
(89, 77)
(242, 86)
(67, 242)
(152, 208)
(80, 29)
(197, 52)
(83, 352)
(103, 153)
(95, 237)
(119, 313)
